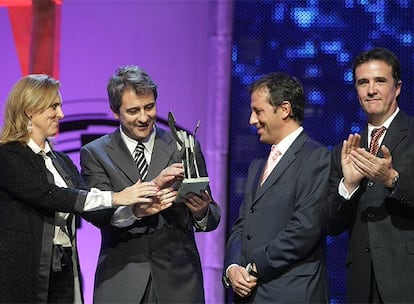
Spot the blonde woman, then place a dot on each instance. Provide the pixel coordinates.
(40, 192)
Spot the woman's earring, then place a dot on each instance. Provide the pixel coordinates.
(29, 126)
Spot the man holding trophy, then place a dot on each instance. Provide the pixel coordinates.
(148, 252)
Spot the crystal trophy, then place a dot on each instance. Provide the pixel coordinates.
(192, 181)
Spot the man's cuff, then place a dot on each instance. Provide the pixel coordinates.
(344, 192)
(226, 282)
(123, 217)
(227, 269)
(225, 278)
(202, 224)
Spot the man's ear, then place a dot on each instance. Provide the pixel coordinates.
(286, 109)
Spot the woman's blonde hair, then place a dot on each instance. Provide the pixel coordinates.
(33, 93)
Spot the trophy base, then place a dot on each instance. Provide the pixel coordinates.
(194, 185)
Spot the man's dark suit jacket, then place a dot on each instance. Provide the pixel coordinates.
(279, 226)
(161, 247)
(380, 222)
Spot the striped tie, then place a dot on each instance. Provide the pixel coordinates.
(375, 136)
(271, 163)
(140, 160)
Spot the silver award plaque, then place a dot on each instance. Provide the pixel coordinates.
(192, 181)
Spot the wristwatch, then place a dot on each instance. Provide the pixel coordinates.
(394, 182)
(250, 271)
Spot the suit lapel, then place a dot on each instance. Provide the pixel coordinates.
(396, 133)
(121, 157)
(256, 173)
(63, 170)
(287, 159)
(364, 139)
(164, 153)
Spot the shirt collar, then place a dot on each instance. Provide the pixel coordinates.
(132, 143)
(386, 124)
(36, 149)
(286, 142)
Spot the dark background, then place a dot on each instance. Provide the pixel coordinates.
(315, 41)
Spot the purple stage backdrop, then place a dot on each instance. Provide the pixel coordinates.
(185, 47)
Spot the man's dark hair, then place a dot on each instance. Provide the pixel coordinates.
(381, 54)
(126, 78)
(283, 87)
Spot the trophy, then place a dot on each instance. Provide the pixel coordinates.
(192, 181)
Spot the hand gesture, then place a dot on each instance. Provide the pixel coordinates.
(373, 167)
(242, 283)
(166, 195)
(140, 192)
(169, 175)
(161, 201)
(352, 176)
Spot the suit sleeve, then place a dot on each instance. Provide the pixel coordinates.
(214, 209)
(403, 193)
(303, 233)
(233, 247)
(94, 172)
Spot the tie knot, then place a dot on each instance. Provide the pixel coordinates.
(377, 132)
(140, 147)
(275, 152)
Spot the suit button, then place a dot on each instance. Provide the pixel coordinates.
(371, 215)
(252, 210)
(249, 237)
(370, 184)
(367, 249)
